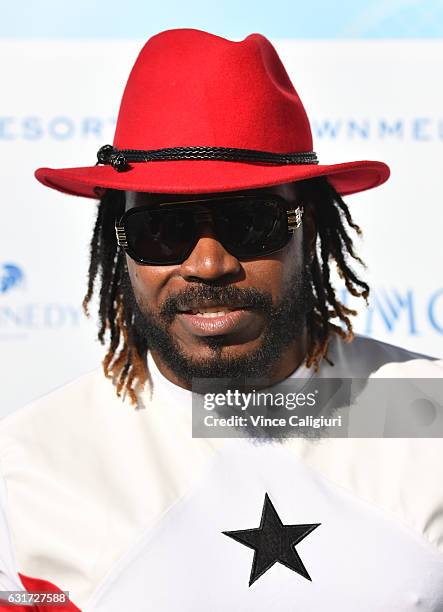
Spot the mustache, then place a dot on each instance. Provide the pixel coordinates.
(228, 295)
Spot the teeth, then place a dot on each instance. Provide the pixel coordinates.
(210, 309)
(210, 314)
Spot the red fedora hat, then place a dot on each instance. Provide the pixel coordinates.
(203, 114)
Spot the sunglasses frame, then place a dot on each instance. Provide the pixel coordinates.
(294, 220)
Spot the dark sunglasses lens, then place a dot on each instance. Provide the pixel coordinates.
(159, 236)
(253, 227)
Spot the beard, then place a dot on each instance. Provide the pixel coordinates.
(284, 322)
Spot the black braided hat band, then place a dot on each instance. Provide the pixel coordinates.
(120, 158)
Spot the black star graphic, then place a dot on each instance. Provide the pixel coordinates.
(273, 542)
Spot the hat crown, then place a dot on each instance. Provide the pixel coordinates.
(205, 115)
(191, 88)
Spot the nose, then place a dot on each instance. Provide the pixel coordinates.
(209, 260)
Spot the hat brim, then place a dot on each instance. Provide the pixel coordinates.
(207, 176)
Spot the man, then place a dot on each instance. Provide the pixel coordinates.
(215, 233)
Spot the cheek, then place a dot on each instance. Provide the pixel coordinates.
(147, 283)
(133, 275)
(276, 272)
(292, 259)
(265, 275)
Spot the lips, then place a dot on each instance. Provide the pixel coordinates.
(215, 320)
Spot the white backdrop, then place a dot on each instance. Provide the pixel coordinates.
(59, 101)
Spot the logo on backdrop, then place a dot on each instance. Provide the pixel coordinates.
(403, 311)
(11, 276)
(382, 129)
(386, 129)
(22, 314)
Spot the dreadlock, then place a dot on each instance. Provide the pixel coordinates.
(125, 360)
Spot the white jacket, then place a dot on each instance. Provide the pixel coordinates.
(124, 509)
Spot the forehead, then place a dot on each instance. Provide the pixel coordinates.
(140, 198)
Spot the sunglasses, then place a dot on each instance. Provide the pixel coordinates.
(246, 226)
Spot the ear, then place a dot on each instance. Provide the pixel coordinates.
(309, 232)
